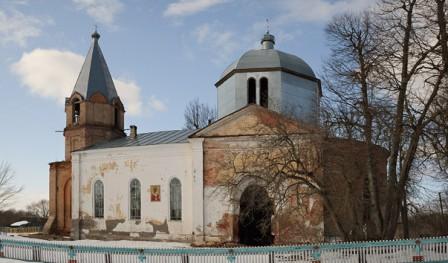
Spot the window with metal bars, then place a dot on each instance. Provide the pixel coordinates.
(175, 199)
(98, 190)
(135, 200)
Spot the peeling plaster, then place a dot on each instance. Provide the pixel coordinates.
(311, 203)
(108, 166)
(131, 164)
(132, 226)
(226, 224)
(159, 226)
(87, 188)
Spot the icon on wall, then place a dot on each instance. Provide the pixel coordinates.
(155, 193)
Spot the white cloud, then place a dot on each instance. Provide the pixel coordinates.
(190, 7)
(19, 2)
(52, 74)
(222, 43)
(317, 10)
(157, 105)
(202, 32)
(17, 27)
(129, 92)
(49, 73)
(102, 11)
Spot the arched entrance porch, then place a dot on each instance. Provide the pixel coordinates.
(254, 224)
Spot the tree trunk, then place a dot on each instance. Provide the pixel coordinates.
(393, 201)
(334, 217)
(404, 217)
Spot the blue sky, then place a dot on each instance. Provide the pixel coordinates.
(161, 55)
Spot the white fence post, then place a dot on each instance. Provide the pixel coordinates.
(231, 257)
(316, 254)
(71, 255)
(418, 252)
(141, 256)
(2, 254)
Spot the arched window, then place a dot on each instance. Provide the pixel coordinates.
(98, 199)
(135, 202)
(264, 92)
(251, 91)
(76, 111)
(175, 199)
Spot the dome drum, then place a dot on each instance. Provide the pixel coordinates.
(289, 83)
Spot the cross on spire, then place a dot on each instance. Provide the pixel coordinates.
(267, 25)
(268, 40)
(95, 34)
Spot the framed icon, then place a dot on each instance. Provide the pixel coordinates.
(155, 193)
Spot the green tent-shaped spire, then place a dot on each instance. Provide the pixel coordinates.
(95, 76)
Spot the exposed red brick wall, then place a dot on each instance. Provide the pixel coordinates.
(345, 171)
(343, 168)
(291, 226)
(60, 195)
(96, 124)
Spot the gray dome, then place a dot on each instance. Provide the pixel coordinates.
(269, 58)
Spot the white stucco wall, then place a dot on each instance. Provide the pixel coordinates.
(301, 96)
(226, 97)
(232, 94)
(151, 165)
(216, 205)
(287, 93)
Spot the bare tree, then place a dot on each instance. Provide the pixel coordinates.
(351, 69)
(7, 188)
(198, 115)
(400, 59)
(39, 209)
(411, 44)
(436, 138)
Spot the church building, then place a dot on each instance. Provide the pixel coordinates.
(165, 185)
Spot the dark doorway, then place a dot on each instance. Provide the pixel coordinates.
(254, 226)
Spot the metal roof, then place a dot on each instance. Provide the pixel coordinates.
(95, 76)
(269, 58)
(144, 139)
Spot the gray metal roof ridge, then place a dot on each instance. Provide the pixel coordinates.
(146, 139)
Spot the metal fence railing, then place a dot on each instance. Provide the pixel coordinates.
(411, 250)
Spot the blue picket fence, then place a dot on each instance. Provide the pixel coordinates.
(410, 250)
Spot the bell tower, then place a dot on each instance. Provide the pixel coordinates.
(94, 112)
